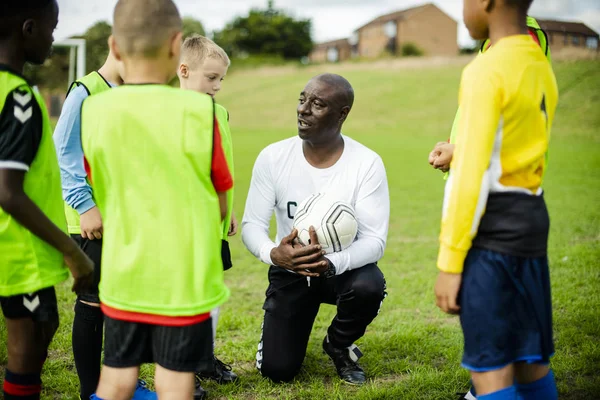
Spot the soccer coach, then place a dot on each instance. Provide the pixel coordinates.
(320, 159)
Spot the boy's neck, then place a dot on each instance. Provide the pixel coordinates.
(110, 73)
(508, 23)
(10, 56)
(139, 71)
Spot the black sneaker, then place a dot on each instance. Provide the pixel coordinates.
(221, 373)
(199, 392)
(345, 361)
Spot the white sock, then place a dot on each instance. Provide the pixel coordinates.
(214, 314)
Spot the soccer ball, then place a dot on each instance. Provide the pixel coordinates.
(333, 220)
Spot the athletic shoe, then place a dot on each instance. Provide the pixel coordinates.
(345, 361)
(143, 393)
(221, 373)
(466, 396)
(199, 392)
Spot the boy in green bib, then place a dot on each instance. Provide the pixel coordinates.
(35, 250)
(84, 224)
(202, 68)
(160, 180)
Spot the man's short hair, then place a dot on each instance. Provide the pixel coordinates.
(14, 12)
(196, 48)
(141, 27)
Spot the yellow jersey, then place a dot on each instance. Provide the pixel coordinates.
(493, 197)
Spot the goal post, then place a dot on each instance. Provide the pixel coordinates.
(77, 65)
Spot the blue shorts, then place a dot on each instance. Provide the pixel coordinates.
(506, 310)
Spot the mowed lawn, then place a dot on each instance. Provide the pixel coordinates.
(412, 350)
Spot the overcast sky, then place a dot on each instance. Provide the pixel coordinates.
(332, 19)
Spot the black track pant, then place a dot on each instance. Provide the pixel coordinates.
(292, 305)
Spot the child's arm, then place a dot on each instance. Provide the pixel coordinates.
(18, 205)
(468, 187)
(220, 175)
(76, 190)
(20, 138)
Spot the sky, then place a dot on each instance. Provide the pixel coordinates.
(332, 19)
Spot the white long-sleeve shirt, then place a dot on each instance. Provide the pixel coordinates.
(282, 179)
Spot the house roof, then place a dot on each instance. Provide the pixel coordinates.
(338, 42)
(566, 26)
(402, 14)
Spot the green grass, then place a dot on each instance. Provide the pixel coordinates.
(412, 350)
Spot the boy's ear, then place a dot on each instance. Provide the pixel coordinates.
(344, 113)
(112, 45)
(28, 28)
(184, 71)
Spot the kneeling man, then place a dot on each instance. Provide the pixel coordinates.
(319, 160)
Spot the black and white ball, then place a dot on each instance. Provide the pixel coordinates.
(333, 220)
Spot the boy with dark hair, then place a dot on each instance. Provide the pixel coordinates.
(34, 246)
(493, 254)
(160, 180)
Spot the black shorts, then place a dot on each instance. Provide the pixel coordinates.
(40, 306)
(182, 349)
(93, 249)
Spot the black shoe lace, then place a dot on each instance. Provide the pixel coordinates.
(221, 365)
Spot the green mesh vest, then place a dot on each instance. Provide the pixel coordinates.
(93, 83)
(150, 166)
(223, 119)
(29, 264)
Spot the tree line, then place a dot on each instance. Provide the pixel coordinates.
(263, 32)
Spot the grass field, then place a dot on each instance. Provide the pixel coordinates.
(412, 350)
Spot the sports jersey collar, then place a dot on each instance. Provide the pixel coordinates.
(6, 68)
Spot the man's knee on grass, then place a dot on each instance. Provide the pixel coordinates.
(279, 369)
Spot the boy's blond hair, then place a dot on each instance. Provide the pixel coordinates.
(141, 27)
(196, 48)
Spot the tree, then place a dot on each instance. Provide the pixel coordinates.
(267, 32)
(96, 42)
(191, 26)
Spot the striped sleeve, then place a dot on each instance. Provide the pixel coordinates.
(468, 185)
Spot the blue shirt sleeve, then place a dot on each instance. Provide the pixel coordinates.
(67, 140)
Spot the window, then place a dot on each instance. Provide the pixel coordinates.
(575, 40)
(390, 29)
(591, 42)
(333, 54)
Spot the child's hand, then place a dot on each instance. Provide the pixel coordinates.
(441, 156)
(81, 267)
(91, 224)
(234, 225)
(435, 152)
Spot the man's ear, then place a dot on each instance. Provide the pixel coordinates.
(344, 113)
(114, 48)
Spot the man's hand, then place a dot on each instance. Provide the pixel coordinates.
(300, 259)
(441, 156)
(233, 227)
(91, 224)
(447, 287)
(81, 267)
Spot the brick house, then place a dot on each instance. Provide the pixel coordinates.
(562, 35)
(332, 51)
(428, 27)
